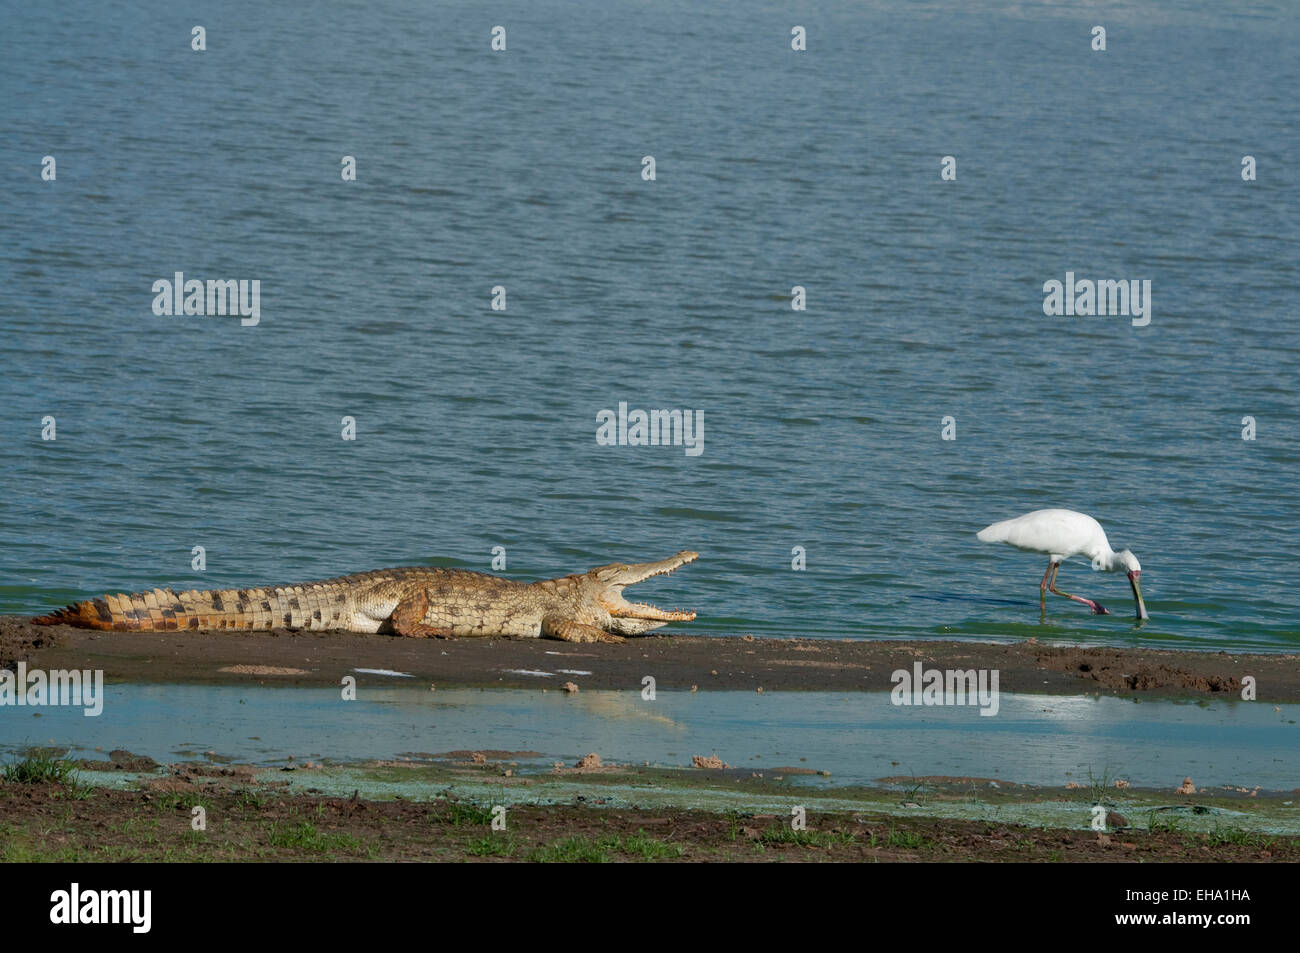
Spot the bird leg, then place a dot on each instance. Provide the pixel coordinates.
(1042, 589)
(1096, 607)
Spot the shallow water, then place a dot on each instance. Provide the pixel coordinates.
(822, 428)
(858, 738)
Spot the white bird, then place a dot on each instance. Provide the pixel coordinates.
(1062, 534)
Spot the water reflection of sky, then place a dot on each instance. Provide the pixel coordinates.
(857, 737)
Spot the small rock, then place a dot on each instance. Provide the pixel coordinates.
(570, 687)
(712, 761)
(590, 761)
(1117, 821)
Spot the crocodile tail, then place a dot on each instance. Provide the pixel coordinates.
(309, 605)
(139, 611)
(80, 614)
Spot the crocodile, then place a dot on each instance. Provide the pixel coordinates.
(419, 602)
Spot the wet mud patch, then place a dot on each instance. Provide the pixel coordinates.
(120, 760)
(712, 663)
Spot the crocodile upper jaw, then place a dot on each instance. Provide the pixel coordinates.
(633, 618)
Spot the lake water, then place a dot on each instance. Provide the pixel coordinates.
(859, 737)
(476, 428)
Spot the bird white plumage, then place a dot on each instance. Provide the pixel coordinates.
(1061, 534)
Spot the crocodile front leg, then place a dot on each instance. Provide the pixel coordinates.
(570, 631)
(408, 618)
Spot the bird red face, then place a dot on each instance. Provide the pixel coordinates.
(1135, 580)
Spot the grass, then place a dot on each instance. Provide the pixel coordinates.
(170, 801)
(250, 799)
(1225, 836)
(462, 812)
(40, 766)
(1100, 786)
(305, 837)
(733, 824)
(492, 845)
(909, 840)
(1157, 823)
(786, 835)
(589, 850)
(570, 850)
(914, 792)
(646, 848)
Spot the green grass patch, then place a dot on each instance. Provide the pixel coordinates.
(909, 840)
(1231, 836)
(462, 812)
(492, 845)
(645, 847)
(304, 836)
(1160, 823)
(786, 835)
(570, 850)
(38, 766)
(597, 850)
(250, 799)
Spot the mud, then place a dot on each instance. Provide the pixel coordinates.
(247, 819)
(676, 662)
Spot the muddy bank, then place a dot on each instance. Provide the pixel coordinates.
(245, 820)
(676, 662)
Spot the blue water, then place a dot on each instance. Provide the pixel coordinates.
(476, 428)
(858, 738)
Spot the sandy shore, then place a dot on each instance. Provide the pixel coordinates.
(676, 662)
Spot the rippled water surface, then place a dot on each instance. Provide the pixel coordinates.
(476, 428)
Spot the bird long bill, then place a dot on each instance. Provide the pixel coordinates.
(1135, 580)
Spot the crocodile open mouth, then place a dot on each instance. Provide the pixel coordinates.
(618, 576)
